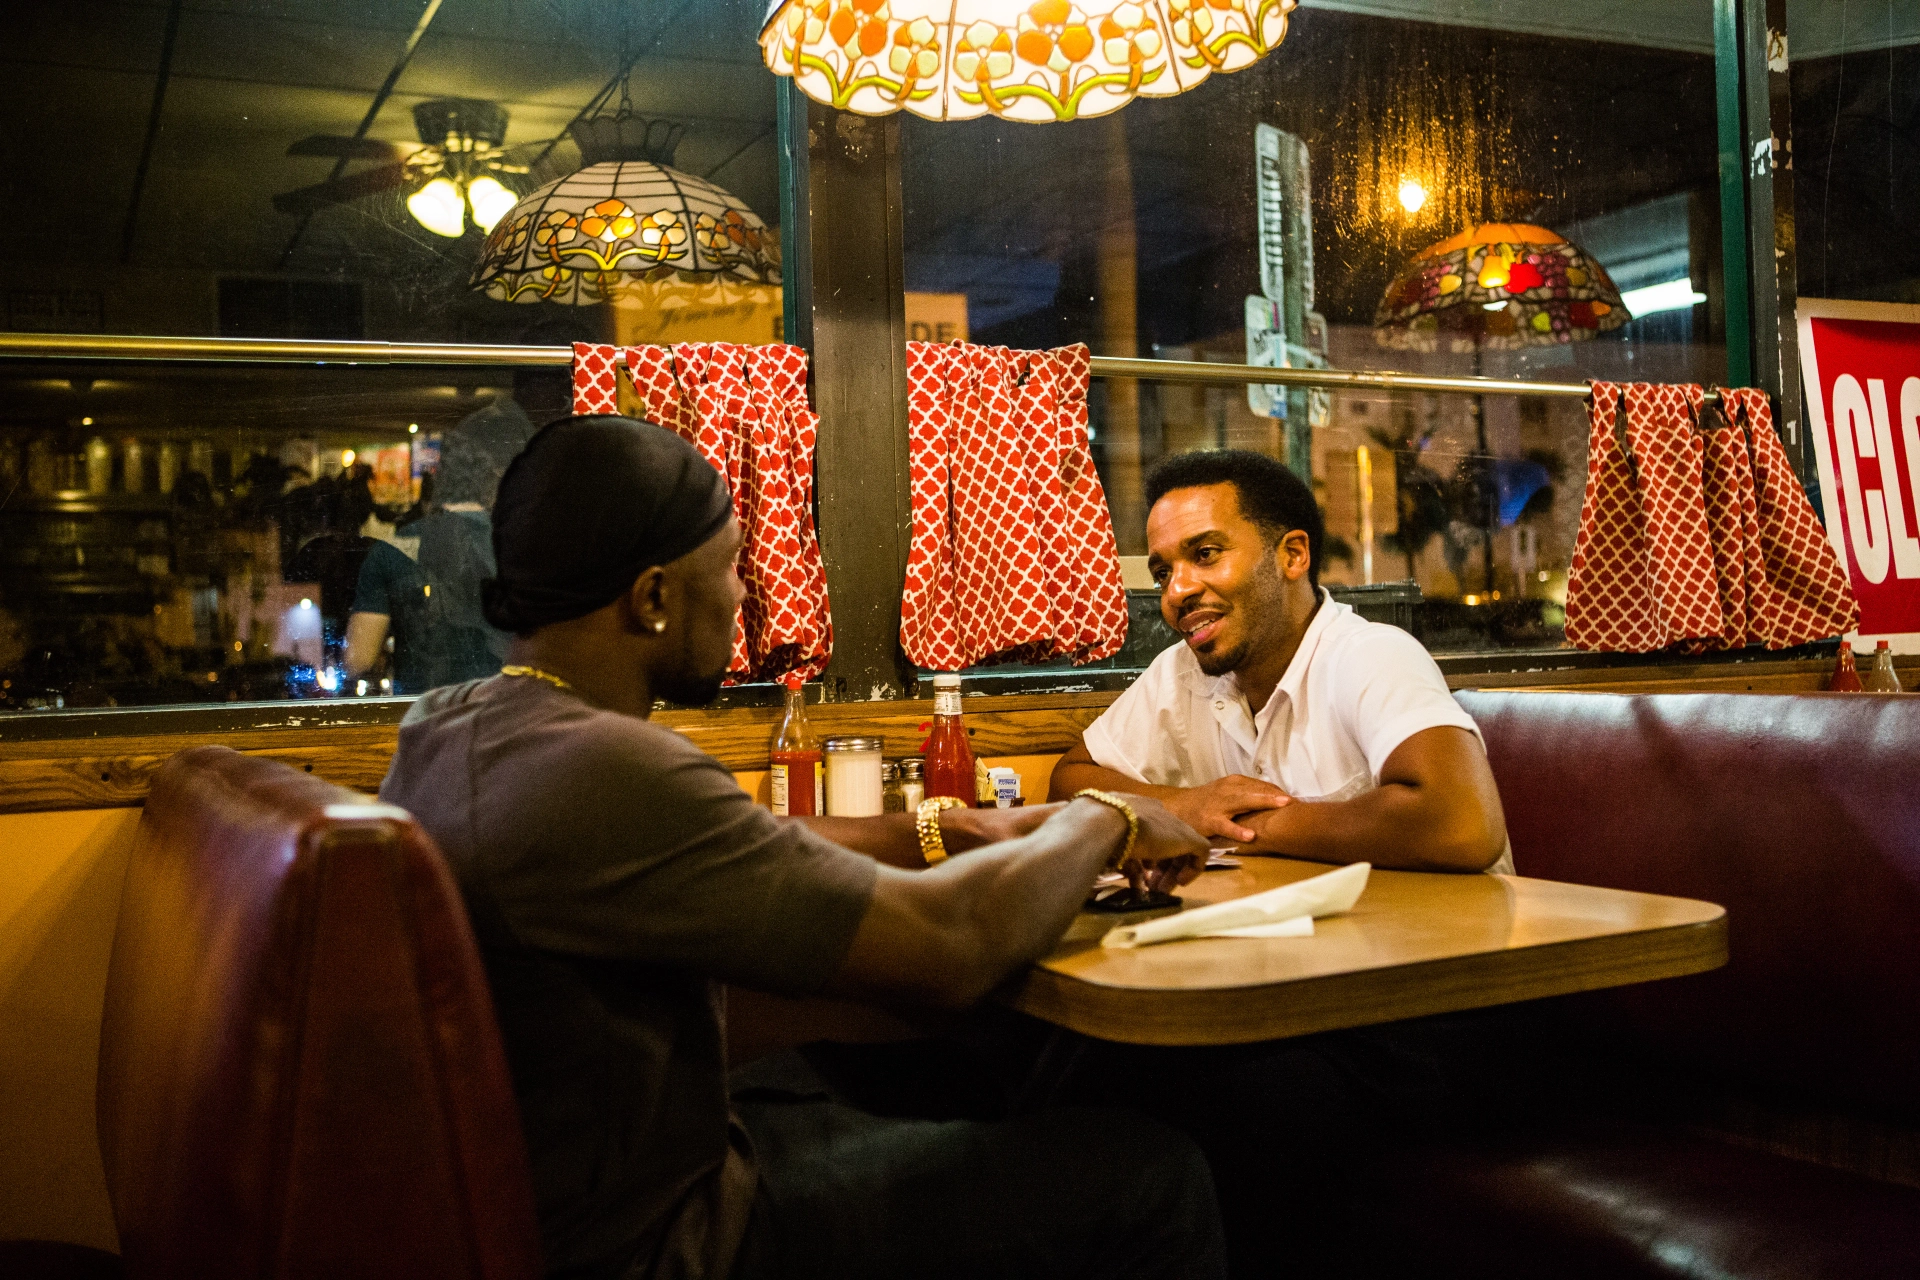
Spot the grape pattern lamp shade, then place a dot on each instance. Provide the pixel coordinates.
(619, 227)
(1039, 61)
(1498, 286)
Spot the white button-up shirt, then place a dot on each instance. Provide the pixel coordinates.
(1353, 693)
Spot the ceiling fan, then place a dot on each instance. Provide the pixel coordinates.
(452, 169)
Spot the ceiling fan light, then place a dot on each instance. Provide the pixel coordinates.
(439, 208)
(490, 201)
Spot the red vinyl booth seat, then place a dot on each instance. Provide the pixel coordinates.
(1801, 815)
(300, 1072)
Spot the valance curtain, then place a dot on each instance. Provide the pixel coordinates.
(1695, 533)
(1012, 556)
(745, 409)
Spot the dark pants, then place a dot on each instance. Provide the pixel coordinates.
(1290, 1127)
(879, 1164)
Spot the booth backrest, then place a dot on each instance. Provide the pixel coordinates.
(1798, 813)
(300, 1072)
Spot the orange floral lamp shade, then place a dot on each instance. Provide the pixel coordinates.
(1030, 60)
(1498, 285)
(598, 234)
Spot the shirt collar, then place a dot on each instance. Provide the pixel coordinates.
(1295, 678)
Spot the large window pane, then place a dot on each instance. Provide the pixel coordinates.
(1388, 126)
(176, 534)
(1856, 148)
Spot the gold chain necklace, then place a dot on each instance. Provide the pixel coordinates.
(535, 673)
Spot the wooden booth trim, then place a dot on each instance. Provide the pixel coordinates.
(111, 771)
(106, 773)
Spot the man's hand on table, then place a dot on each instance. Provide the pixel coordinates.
(1216, 808)
(1168, 851)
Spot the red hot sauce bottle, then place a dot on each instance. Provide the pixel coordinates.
(799, 773)
(1845, 677)
(949, 768)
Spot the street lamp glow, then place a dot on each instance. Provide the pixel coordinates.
(1413, 196)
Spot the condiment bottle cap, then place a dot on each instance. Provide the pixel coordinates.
(792, 680)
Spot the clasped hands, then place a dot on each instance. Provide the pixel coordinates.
(1168, 851)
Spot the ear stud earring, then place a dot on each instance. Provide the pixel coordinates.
(659, 625)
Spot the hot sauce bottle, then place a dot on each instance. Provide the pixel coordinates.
(949, 768)
(1845, 677)
(799, 772)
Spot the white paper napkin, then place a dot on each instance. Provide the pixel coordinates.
(1298, 927)
(1323, 895)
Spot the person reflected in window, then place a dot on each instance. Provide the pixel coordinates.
(447, 552)
(325, 519)
(429, 601)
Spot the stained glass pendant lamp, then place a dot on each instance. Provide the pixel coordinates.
(1030, 60)
(1498, 286)
(623, 226)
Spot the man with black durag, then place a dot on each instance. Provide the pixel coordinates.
(616, 875)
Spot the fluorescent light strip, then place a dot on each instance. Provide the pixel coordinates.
(1671, 296)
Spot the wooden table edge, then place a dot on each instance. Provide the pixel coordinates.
(1366, 997)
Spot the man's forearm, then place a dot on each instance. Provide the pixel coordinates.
(1018, 897)
(892, 839)
(889, 838)
(1393, 826)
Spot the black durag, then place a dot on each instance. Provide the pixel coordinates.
(588, 505)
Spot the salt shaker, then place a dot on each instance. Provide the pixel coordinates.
(913, 785)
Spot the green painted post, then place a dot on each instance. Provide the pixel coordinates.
(1735, 248)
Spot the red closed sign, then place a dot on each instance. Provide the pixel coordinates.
(1861, 365)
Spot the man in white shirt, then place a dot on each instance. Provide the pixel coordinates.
(1286, 723)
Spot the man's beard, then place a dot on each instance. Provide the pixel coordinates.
(1222, 661)
(688, 686)
(686, 689)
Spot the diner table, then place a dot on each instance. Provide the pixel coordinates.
(1416, 943)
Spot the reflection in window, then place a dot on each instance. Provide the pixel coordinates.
(1856, 155)
(1262, 217)
(241, 532)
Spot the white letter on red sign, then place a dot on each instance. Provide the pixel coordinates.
(1853, 440)
(1906, 548)
(1910, 433)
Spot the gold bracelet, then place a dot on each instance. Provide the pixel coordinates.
(926, 824)
(1119, 802)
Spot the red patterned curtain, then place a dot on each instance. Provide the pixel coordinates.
(745, 409)
(1012, 554)
(1695, 534)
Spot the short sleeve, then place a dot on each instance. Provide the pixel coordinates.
(373, 592)
(639, 847)
(1388, 689)
(1121, 738)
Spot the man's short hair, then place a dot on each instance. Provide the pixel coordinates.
(1272, 497)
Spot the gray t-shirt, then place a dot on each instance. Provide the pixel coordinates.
(615, 874)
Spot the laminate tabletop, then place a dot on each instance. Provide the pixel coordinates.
(1416, 943)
